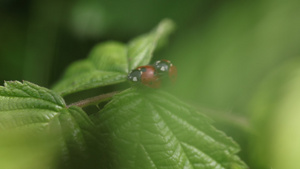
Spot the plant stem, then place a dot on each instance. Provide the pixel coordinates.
(93, 100)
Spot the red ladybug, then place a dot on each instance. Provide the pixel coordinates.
(165, 67)
(146, 75)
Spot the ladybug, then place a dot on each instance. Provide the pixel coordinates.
(145, 75)
(165, 67)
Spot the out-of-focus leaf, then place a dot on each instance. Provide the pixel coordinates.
(110, 62)
(140, 49)
(221, 58)
(22, 150)
(33, 109)
(275, 115)
(155, 130)
(88, 19)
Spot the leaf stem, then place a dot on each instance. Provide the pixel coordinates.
(94, 100)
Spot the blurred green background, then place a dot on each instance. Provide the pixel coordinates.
(237, 60)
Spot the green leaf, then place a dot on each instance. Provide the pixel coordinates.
(140, 49)
(155, 130)
(109, 63)
(37, 111)
(106, 65)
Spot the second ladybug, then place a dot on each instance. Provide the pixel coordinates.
(146, 75)
(166, 68)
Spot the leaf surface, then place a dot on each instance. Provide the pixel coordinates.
(34, 110)
(106, 65)
(155, 130)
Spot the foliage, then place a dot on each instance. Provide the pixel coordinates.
(138, 128)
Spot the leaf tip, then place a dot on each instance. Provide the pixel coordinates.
(167, 24)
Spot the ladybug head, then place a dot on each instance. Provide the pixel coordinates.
(166, 70)
(135, 76)
(162, 66)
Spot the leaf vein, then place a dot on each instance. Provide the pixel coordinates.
(187, 158)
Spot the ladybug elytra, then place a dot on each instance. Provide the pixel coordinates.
(153, 75)
(146, 75)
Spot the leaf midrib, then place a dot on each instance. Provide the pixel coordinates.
(180, 142)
